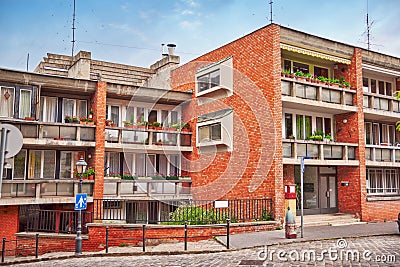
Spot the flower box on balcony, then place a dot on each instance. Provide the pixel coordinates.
(29, 118)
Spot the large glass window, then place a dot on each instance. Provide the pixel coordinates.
(6, 102)
(383, 181)
(299, 127)
(48, 109)
(19, 164)
(379, 133)
(41, 164)
(74, 107)
(208, 80)
(318, 71)
(304, 68)
(25, 103)
(210, 132)
(112, 164)
(68, 161)
(288, 125)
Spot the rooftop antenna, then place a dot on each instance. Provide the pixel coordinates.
(73, 31)
(270, 11)
(368, 29)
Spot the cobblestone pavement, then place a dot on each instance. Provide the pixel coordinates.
(365, 251)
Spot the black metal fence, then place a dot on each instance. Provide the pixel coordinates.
(179, 211)
(22, 246)
(56, 221)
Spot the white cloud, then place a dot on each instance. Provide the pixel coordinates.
(190, 25)
(187, 12)
(191, 3)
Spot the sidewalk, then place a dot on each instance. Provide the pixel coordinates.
(237, 242)
(257, 239)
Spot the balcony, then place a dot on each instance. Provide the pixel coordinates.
(56, 134)
(319, 152)
(145, 188)
(23, 191)
(297, 94)
(149, 139)
(379, 106)
(382, 155)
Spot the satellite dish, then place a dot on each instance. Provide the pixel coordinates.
(14, 140)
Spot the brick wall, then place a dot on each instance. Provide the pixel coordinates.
(254, 168)
(9, 222)
(99, 108)
(379, 211)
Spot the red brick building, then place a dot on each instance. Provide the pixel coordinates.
(256, 106)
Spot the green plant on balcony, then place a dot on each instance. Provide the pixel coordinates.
(128, 176)
(185, 126)
(157, 177)
(317, 136)
(322, 79)
(67, 118)
(75, 119)
(299, 74)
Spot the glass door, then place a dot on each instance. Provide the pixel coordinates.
(328, 194)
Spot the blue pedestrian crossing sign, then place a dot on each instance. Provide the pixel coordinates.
(80, 201)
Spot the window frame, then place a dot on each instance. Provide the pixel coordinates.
(29, 110)
(13, 100)
(379, 177)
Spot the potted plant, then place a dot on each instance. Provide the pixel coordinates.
(142, 124)
(91, 113)
(128, 176)
(89, 122)
(299, 75)
(328, 137)
(82, 120)
(185, 127)
(67, 118)
(128, 124)
(308, 77)
(89, 173)
(75, 119)
(109, 122)
(157, 125)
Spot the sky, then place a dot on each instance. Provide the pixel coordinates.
(132, 31)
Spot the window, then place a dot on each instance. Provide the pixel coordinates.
(304, 68)
(112, 163)
(48, 109)
(6, 102)
(41, 164)
(208, 80)
(379, 133)
(383, 182)
(389, 89)
(210, 132)
(68, 160)
(303, 126)
(74, 107)
(114, 114)
(320, 72)
(376, 86)
(373, 86)
(288, 125)
(25, 103)
(365, 85)
(215, 80)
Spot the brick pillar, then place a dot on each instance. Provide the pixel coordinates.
(9, 223)
(352, 198)
(99, 108)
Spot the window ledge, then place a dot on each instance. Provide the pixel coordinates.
(383, 198)
(215, 92)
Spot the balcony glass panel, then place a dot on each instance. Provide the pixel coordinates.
(384, 104)
(386, 155)
(48, 189)
(396, 106)
(184, 188)
(134, 137)
(337, 152)
(165, 138)
(378, 154)
(65, 189)
(163, 188)
(311, 92)
(50, 131)
(29, 131)
(397, 155)
(68, 133)
(186, 139)
(111, 135)
(87, 189)
(335, 96)
(142, 187)
(365, 101)
(351, 153)
(300, 90)
(287, 150)
(128, 188)
(326, 97)
(368, 153)
(285, 88)
(307, 150)
(377, 103)
(87, 134)
(18, 190)
(301, 150)
(348, 99)
(110, 188)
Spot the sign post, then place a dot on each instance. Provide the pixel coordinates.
(301, 194)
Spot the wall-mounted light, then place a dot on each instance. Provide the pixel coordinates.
(89, 156)
(344, 121)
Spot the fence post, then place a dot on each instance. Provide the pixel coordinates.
(3, 249)
(185, 241)
(144, 238)
(37, 246)
(106, 239)
(228, 222)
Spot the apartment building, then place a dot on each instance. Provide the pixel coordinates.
(292, 95)
(73, 108)
(255, 107)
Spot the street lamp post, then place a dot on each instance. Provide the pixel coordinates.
(81, 169)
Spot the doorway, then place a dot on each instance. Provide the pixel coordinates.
(320, 190)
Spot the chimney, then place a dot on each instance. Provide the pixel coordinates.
(168, 59)
(171, 49)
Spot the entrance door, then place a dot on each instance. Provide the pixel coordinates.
(327, 194)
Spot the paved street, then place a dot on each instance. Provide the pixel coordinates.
(366, 251)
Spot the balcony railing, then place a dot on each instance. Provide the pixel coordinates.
(382, 153)
(147, 136)
(44, 188)
(147, 187)
(321, 150)
(317, 92)
(54, 130)
(381, 102)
